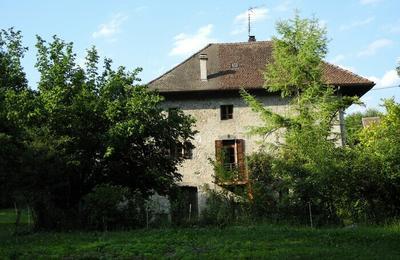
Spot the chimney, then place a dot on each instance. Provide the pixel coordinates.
(203, 67)
(252, 38)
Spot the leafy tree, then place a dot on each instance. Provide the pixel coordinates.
(353, 123)
(309, 160)
(375, 168)
(15, 103)
(84, 127)
(100, 127)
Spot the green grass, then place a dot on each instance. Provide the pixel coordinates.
(250, 241)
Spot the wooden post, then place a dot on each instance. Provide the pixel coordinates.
(29, 217)
(190, 211)
(309, 210)
(147, 217)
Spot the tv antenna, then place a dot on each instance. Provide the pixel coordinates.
(250, 11)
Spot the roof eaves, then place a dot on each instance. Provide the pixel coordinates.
(368, 82)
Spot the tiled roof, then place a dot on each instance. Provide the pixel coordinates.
(237, 65)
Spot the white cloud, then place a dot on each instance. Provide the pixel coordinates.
(283, 6)
(241, 20)
(373, 47)
(337, 58)
(389, 79)
(111, 28)
(368, 2)
(186, 44)
(140, 9)
(392, 28)
(357, 24)
(349, 68)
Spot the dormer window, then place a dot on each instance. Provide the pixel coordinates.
(226, 112)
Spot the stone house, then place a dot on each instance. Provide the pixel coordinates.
(206, 85)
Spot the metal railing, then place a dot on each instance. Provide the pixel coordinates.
(234, 172)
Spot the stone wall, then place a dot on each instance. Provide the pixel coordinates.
(198, 171)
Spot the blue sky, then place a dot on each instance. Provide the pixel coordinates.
(156, 35)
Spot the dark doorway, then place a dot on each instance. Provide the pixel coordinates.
(184, 204)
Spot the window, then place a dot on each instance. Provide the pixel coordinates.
(229, 159)
(226, 112)
(179, 150)
(187, 150)
(175, 150)
(231, 155)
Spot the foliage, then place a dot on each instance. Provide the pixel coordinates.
(109, 207)
(244, 241)
(297, 57)
(306, 168)
(224, 208)
(222, 174)
(353, 124)
(310, 170)
(84, 126)
(381, 143)
(267, 187)
(16, 102)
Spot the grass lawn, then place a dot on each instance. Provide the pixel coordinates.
(250, 241)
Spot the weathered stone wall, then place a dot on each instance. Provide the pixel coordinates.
(198, 171)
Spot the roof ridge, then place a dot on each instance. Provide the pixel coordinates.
(236, 43)
(348, 71)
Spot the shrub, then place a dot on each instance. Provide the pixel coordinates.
(224, 207)
(110, 207)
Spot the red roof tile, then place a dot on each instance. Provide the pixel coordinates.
(236, 65)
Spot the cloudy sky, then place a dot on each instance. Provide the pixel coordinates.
(156, 35)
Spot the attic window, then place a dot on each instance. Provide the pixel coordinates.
(235, 65)
(226, 112)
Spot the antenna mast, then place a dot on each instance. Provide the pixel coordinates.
(249, 12)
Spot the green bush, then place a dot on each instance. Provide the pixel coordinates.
(112, 207)
(224, 208)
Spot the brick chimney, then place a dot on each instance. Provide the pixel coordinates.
(252, 38)
(203, 67)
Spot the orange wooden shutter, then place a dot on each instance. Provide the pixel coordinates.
(218, 151)
(241, 157)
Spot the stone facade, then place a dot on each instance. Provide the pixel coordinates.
(198, 171)
(213, 77)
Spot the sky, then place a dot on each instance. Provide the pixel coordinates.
(157, 35)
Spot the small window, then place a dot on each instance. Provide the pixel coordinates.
(187, 150)
(181, 150)
(175, 150)
(226, 112)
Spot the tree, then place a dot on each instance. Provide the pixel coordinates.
(86, 127)
(353, 124)
(376, 166)
(15, 103)
(309, 161)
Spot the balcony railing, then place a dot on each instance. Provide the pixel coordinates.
(231, 166)
(230, 174)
